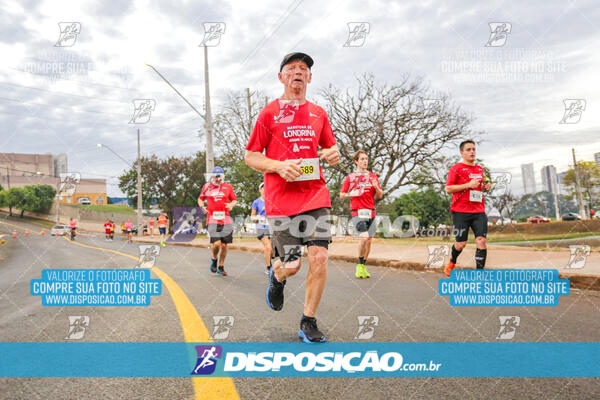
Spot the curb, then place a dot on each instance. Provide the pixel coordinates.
(586, 282)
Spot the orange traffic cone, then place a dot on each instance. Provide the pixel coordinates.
(26, 232)
(14, 233)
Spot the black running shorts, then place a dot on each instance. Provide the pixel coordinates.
(463, 221)
(311, 228)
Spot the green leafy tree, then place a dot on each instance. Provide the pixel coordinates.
(172, 182)
(15, 198)
(589, 180)
(430, 206)
(38, 198)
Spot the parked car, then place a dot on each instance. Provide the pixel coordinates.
(59, 230)
(537, 219)
(571, 217)
(84, 200)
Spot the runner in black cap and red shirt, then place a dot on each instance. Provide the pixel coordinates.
(221, 199)
(466, 180)
(291, 130)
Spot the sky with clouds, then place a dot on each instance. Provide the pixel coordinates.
(69, 98)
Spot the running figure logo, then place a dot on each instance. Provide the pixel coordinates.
(357, 34)
(579, 254)
(77, 326)
(68, 183)
(499, 32)
(185, 224)
(508, 327)
(207, 359)
(366, 326)
(437, 255)
(148, 255)
(573, 110)
(500, 183)
(142, 110)
(68, 33)
(223, 324)
(286, 113)
(292, 251)
(212, 33)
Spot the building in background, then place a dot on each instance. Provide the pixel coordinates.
(597, 159)
(19, 169)
(561, 186)
(549, 179)
(528, 178)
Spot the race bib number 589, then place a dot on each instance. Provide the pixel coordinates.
(310, 169)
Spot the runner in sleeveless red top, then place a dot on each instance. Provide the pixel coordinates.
(466, 181)
(290, 131)
(361, 187)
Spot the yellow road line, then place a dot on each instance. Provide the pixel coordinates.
(194, 330)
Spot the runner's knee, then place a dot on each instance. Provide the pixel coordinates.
(460, 245)
(480, 241)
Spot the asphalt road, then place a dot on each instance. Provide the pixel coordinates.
(406, 302)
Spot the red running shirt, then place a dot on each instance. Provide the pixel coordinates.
(217, 196)
(460, 174)
(287, 132)
(366, 198)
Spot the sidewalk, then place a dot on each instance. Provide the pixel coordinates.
(414, 257)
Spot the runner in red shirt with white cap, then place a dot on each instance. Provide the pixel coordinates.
(466, 181)
(361, 187)
(221, 199)
(290, 130)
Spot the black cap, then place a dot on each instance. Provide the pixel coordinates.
(297, 56)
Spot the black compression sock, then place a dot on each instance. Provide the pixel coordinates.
(455, 254)
(480, 256)
(361, 260)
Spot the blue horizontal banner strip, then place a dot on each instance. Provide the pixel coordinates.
(281, 359)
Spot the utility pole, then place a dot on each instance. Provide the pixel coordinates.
(266, 100)
(579, 196)
(210, 157)
(139, 188)
(249, 111)
(556, 210)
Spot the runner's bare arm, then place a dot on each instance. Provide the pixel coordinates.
(378, 189)
(459, 188)
(344, 195)
(331, 155)
(253, 216)
(288, 169)
(231, 204)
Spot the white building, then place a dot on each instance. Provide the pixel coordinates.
(528, 178)
(549, 179)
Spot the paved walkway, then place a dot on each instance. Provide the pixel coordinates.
(415, 256)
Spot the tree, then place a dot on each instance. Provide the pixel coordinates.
(397, 125)
(428, 205)
(589, 180)
(15, 197)
(38, 198)
(504, 203)
(234, 123)
(172, 182)
(541, 203)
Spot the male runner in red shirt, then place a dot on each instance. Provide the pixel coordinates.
(221, 199)
(361, 187)
(107, 226)
(466, 182)
(290, 131)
